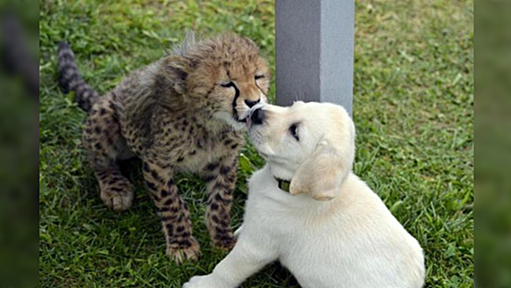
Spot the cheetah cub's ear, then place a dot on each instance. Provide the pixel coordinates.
(178, 69)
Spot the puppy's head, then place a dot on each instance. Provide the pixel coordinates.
(226, 75)
(310, 144)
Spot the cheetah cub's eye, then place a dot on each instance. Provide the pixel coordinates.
(257, 77)
(228, 84)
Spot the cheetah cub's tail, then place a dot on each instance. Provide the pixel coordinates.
(71, 80)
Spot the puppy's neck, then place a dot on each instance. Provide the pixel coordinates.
(279, 171)
(303, 202)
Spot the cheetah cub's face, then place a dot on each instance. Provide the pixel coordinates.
(224, 75)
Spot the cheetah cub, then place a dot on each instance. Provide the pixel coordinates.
(185, 112)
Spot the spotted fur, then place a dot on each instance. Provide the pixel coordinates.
(71, 80)
(181, 113)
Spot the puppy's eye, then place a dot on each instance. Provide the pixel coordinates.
(228, 84)
(257, 77)
(293, 129)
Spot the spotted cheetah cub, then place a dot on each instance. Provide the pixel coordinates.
(185, 112)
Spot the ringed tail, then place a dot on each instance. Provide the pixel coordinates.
(71, 80)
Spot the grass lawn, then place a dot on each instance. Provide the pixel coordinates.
(413, 108)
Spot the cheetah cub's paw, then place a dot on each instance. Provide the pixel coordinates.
(180, 254)
(226, 243)
(118, 195)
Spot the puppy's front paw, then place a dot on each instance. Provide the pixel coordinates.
(200, 282)
(238, 232)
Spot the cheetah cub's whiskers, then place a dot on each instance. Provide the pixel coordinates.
(185, 112)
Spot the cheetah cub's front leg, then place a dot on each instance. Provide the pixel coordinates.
(173, 213)
(105, 144)
(221, 179)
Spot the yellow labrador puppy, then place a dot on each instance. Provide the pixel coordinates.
(308, 210)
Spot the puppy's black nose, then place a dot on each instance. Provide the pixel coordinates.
(251, 104)
(257, 116)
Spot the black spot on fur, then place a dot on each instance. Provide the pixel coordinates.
(102, 173)
(111, 104)
(163, 209)
(155, 175)
(220, 186)
(212, 166)
(185, 244)
(224, 170)
(207, 95)
(167, 218)
(209, 178)
(231, 178)
(221, 230)
(151, 185)
(214, 206)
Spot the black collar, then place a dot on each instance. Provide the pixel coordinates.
(283, 184)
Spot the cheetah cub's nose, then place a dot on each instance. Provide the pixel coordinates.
(251, 104)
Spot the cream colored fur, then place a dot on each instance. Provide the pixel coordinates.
(332, 230)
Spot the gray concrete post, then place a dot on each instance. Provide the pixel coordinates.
(314, 51)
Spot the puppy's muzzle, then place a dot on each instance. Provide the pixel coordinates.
(257, 116)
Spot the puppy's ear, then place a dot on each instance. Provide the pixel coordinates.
(322, 174)
(177, 68)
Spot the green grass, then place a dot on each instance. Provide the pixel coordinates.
(413, 110)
